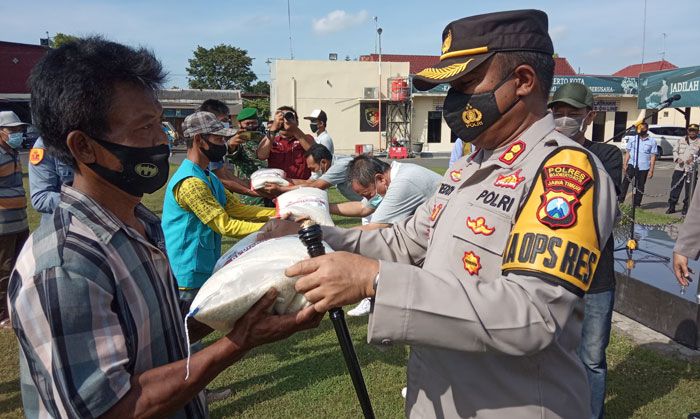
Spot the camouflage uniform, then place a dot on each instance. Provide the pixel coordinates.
(244, 162)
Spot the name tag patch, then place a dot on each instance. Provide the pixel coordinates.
(445, 189)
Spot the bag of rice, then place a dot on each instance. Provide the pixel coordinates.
(260, 177)
(241, 246)
(304, 202)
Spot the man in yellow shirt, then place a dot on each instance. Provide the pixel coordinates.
(198, 209)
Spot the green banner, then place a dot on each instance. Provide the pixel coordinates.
(656, 87)
(600, 85)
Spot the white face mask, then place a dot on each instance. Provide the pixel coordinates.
(569, 126)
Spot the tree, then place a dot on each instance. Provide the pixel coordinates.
(262, 104)
(260, 88)
(220, 67)
(62, 38)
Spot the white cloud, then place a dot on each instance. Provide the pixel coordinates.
(339, 20)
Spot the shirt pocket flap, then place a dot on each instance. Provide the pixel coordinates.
(484, 229)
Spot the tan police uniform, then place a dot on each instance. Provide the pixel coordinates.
(485, 280)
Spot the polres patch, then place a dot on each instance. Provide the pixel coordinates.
(563, 185)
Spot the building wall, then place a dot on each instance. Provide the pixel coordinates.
(337, 87)
(422, 105)
(16, 62)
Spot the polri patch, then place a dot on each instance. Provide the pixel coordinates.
(478, 226)
(511, 180)
(512, 153)
(563, 186)
(36, 155)
(472, 263)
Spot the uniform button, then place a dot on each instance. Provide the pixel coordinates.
(386, 342)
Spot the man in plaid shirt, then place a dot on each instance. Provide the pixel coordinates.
(92, 299)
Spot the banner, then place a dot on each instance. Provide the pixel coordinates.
(656, 87)
(600, 85)
(369, 116)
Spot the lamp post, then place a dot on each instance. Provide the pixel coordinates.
(379, 90)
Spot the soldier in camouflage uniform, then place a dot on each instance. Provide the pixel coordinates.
(243, 159)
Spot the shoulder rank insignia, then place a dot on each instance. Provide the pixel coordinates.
(472, 263)
(563, 185)
(513, 152)
(456, 175)
(511, 180)
(478, 226)
(36, 155)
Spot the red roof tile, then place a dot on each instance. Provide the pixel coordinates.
(562, 67)
(634, 69)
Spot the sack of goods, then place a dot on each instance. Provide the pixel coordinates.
(311, 203)
(260, 177)
(244, 278)
(241, 246)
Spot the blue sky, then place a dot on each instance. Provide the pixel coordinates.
(599, 37)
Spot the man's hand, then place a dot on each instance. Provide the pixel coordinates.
(278, 228)
(651, 173)
(235, 141)
(680, 268)
(277, 121)
(272, 189)
(258, 326)
(335, 280)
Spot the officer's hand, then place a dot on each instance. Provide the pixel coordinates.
(681, 270)
(258, 326)
(335, 280)
(278, 228)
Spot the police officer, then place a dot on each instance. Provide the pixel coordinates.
(46, 175)
(684, 153)
(485, 280)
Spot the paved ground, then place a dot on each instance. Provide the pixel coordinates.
(642, 335)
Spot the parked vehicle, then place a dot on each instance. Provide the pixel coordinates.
(666, 138)
(30, 136)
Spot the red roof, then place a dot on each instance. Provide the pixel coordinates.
(419, 62)
(562, 67)
(634, 69)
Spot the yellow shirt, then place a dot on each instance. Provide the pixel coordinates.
(234, 220)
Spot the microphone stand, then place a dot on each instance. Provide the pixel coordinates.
(312, 237)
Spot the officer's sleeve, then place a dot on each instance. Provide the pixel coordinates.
(44, 184)
(548, 263)
(688, 243)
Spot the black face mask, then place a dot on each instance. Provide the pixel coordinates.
(216, 152)
(469, 115)
(314, 127)
(144, 170)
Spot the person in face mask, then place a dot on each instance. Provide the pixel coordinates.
(14, 229)
(93, 286)
(318, 122)
(572, 108)
(198, 209)
(638, 163)
(489, 273)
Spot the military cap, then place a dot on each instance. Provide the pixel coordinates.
(247, 113)
(574, 94)
(470, 41)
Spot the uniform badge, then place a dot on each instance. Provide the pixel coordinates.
(472, 263)
(447, 43)
(563, 186)
(36, 155)
(514, 151)
(478, 226)
(437, 208)
(456, 175)
(511, 180)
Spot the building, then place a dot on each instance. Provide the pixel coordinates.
(347, 91)
(179, 103)
(16, 63)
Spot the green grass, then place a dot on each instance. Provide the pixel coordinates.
(647, 217)
(305, 375)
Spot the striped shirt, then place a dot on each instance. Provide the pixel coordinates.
(13, 201)
(93, 303)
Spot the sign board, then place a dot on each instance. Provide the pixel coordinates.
(600, 85)
(605, 106)
(656, 87)
(369, 116)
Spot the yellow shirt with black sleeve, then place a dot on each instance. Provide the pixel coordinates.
(232, 220)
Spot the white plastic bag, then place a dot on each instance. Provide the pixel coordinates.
(232, 290)
(241, 246)
(260, 177)
(309, 203)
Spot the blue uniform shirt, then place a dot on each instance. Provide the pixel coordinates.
(647, 148)
(46, 175)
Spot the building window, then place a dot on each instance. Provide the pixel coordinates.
(434, 126)
(665, 114)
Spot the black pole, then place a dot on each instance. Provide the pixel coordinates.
(312, 237)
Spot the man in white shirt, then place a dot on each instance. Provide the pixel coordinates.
(319, 123)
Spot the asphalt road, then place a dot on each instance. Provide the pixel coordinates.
(660, 184)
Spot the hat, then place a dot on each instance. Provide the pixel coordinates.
(317, 114)
(693, 127)
(247, 113)
(10, 119)
(470, 41)
(205, 123)
(574, 94)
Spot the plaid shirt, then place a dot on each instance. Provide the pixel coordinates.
(93, 303)
(13, 201)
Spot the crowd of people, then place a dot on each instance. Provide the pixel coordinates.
(499, 274)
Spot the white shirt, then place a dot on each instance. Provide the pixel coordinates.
(325, 139)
